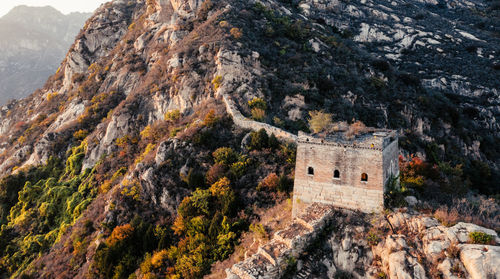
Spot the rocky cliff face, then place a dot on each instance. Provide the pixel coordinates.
(414, 246)
(124, 47)
(34, 42)
(442, 43)
(139, 105)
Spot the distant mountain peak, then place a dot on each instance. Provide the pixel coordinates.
(24, 10)
(35, 51)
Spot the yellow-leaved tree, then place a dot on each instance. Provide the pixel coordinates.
(320, 121)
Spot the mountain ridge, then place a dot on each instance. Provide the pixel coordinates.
(32, 53)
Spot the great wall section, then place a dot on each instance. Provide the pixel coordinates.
(273, 259)
(246, 123)
(398, 255)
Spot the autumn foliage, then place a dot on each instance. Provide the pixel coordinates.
(120, 233)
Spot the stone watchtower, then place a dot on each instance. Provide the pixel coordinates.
(345, 171)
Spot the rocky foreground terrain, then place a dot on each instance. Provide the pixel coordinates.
(34, 42)
(329, 243)
(139, 157)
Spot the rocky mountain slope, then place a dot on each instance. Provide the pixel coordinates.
(128, 162)
(34, 42)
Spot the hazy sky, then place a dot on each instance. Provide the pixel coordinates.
(65, 6)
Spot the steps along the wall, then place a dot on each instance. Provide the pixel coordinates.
(273, 258)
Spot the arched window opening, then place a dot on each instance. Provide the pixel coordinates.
(310, 171)
(364, 177)
(336, 174)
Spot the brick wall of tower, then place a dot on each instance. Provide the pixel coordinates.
(348, 190)
(391, 161)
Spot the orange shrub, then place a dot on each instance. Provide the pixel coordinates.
(236, 33)
(215, 173)
(159, 259)
(356, 128)
(179, 225)
(271, 182)
(210, 118)
(120, 233)
(221, 187)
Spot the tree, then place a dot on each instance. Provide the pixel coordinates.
(320, 121)
(259, 140)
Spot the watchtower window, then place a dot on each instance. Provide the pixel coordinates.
(310, 171)
(336, 174)
(364, 177)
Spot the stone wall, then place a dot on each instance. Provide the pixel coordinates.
(272, 259)
(346, 191)
(391, 161)
(246, 123)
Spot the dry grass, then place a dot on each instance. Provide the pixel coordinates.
(356, 128)
(273, 219)
(453, 251)
(447, 217)
(478, 210)
(320, 121)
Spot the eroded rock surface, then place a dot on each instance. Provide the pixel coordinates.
(419, 247)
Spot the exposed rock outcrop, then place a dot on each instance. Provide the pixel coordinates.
(402, 246)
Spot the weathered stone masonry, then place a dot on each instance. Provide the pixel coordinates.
(246, 123)
(343, 172)
(271, 260)
(346, 172)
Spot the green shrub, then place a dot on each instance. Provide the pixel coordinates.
(285, 184)
(208, 234)
(172, 115)
(195, 179)
(74, 162)
(259, 140)
(290, 151)
(123, 251)
(373, 238)
(273, 142)
(239, 168)
(80, 134)
(260, 231)
(394, 195)
(225, 156)
(175, 131)
(46, 205)
(258, 103)
(216, 82)
(480, 238)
